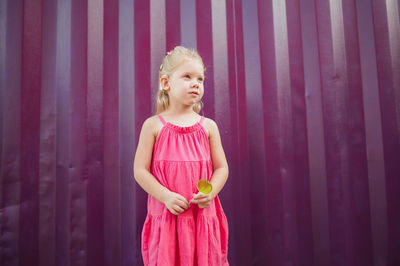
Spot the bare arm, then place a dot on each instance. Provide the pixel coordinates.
(141, 165)
(220, 167)
(141, 170)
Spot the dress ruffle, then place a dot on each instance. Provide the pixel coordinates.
(172, 240)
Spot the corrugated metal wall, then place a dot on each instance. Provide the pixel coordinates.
(306, 94)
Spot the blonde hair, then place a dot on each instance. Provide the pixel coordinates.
(170, 62)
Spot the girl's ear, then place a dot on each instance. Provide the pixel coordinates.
(164, 83)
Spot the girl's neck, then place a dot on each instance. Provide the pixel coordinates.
(181, 116)
(180, 110)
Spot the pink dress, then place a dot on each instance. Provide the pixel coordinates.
(181, 157)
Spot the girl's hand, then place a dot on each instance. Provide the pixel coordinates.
(203, 200)
(176, 203)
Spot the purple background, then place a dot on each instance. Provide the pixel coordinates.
(306, 94)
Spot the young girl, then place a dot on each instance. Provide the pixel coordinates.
(178, 147)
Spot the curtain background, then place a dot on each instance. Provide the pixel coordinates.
(306, 94)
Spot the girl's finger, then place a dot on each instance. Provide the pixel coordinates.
(182, 198)
(173, 211)
(205, 200)
(200, 201)
(183, 204)
(200, 195)
(178, 209)
(194, 201)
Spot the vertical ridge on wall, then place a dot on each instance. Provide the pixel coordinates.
(273, 183)
(11, 148)
(95, 134)
(48, 143)
(220, 62)
(79, 142)
(373, 133)
(172, 23)
(232, 156)
(315, 135)
(240, 243)
(204, 47)
(158, 20)
(358, 167)
(188, 28)
(3, 32)
(142, 99)
(393, 10)
(221, 81)
(393, 23)
(344, 139)
(333, 155)
(337, 166)
(127, 133)
(112, 215)
(63, 131)
(285, 129)
(254, 127)
(30, 128)
(299, 151)
(390, 128)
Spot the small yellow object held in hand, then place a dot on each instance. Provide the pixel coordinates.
(204, 186)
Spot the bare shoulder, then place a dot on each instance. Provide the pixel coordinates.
(210, 127)
(152, 125)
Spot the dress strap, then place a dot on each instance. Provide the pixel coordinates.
(162, 119)
(201, 120)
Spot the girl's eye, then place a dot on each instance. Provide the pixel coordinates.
(201, 79)
(187, 76)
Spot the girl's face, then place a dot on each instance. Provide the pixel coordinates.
(186, 84)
